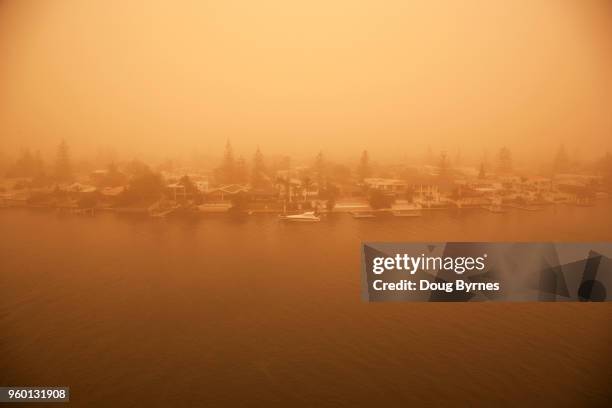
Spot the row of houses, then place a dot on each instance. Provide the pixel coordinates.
(424, 188)
(431, 191)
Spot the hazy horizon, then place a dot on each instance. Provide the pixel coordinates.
(164, 79)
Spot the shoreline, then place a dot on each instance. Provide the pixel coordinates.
(386, 212)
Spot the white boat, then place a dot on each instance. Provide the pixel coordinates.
(304, 217)
(494, 208)
(160, 213)
(525, 207)
(406, 213)
(158, 210)
(362, 214)
(402, 208)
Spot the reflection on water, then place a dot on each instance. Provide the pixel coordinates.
(251, 311)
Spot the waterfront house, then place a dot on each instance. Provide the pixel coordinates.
(386, 185)
(225, 192)
(14, 198)
(77, 187)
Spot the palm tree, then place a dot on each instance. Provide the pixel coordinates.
(306, 185)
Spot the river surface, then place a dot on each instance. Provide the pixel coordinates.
(252, 312)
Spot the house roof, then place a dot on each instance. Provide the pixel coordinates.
(230, 189)
(80, 188)
(385, 182)
(112, 191)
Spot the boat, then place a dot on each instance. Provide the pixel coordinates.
(406, 213)
(308, 216)
(494, 208)
(362, 214)
(584, 202)
(160, 213)
(525, 207)
(161, 210)
(407, 210)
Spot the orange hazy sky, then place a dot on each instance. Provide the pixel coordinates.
(166, 77)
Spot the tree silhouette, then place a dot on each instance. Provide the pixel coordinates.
(606, 171)
(379, 199)
(306, 186)
(240, 202)
(188, 184)
(285, 181)
(144, 186)
(363, 170)
(504, 158)
(458, 158)
(320, 169)
(226, 173)
(63, 165)
(429, 158)
(39, 166)
(443, 165)
(241, 171)
(27, 165)
(259, 172)
(113, 177)
(330, 195)
(561, 162)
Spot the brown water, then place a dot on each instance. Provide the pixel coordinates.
(222, 312)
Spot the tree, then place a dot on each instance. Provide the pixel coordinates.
(226, 173)
(259, 173)
(3, 162)
(145, 186)
(88, 200)
(39, 166)
(284, 163)
(504, 158)
(285, 182)
(363, 170)
(482, 174)
(561, 162)
(429, 158)
(379, 199)
(167, 165)
(188, 184)
(306, 186)
(137, 168)
(485, 158)
(240, 202)
(443, 165)
(320, 168)
(240, 171)
(458, 158)
(330, 195)
(410, 194)
(113, 177)
(27, 165)
(63, 165)
(606, 171)
(339, 173)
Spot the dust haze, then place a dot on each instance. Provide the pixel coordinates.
(157, 78)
